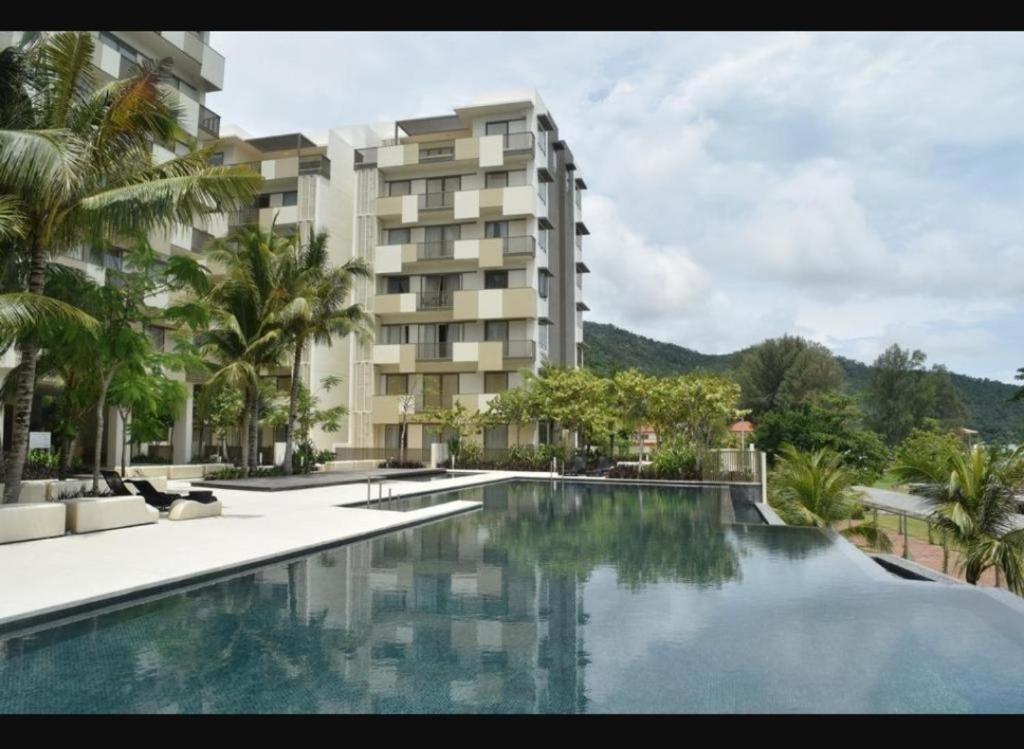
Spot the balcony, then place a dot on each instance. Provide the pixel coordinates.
(435, 250)
(200, 239)
(520, 349)
(523, 245)
(518, 142)
(365, 158)
(436, 351)
(433, 152)
(431, 300)
(318, 165)
(209, 122)
(244, 217)
(433, 201)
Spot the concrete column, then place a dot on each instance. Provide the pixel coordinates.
(115, 435)
(181, 444)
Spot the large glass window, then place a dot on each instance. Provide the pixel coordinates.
(496, 438)
(495, 382)
(504, 127)
(392, 334)
(398, 284)
(496, 279)
(399, 236)
(497, 179)
(496, 330)
(402, 187)
(290, 198)
(494, 229)
(393, 436)
(396, 384)
(542, 284)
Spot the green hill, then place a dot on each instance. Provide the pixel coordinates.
(610, 348)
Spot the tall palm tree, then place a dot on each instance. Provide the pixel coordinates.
(815, 488)
(244, 306)
(972, 498)
(77, 167)
(316, 310)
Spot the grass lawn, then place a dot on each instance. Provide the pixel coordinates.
(889, 480)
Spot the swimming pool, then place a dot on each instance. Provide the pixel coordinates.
(554, 598)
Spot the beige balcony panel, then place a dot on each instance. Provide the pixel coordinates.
(491, 356)
(388, 258)
(467, 149)
(465, 351)
(400, 155)
(492, 254)
(517, 303)
(466, 249)
(407, 358)
(517, 201)
(410, 209)
(390, 206)
(471, 401)
(492, 151)
(281, 168)
(394, 304)
(491, 198)
(386, 353)
(212, 69)
(467, 204)
(489, 304)
(386, 409)
(464, 305)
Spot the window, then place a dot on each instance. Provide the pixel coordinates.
(396, 384)
(399, 236)
(444, 184)
(290, 198)
(439, 390)
(263, 201)
(542, 191)
(496, 279)
(542, 284)
(157, 336)
(497, 179)
(495, 330)
(112, 260)
(544, 432)
(504, 127)
(542, 140)
(542, 238)
(403, 187)
(542, 336)
(495, 382)
(398, 285)
(494, 229)
(496, 438)
(392, 334)
(393, 436)
(448, 233)
(216, 159)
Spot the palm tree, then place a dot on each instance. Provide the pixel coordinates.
(316, 310)
(972, 498)
(244, 306)
(76, 167)
(815, 488)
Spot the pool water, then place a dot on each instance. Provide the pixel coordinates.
(566, 598)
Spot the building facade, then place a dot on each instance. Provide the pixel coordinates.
(472, 224)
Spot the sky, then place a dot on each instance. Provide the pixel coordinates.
(858, 189)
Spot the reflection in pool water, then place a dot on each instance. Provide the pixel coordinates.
(554, 598)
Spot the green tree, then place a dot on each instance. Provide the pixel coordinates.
(148, 402)
(316, 310)
(76, 168)
(815, 488)
(577, 399)
(243, 306)
(509, 408)
(221, 407)
(309, 416)
(972, 494)
(787, 372)
(456, 420)
(633, 392)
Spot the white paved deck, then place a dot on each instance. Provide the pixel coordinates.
(40, 577)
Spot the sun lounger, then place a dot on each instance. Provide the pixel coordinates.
(163, 500)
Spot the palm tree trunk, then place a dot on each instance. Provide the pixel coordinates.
(25, 390)
(293, 409)
(254, 435)
(101, 406)
(243, 437)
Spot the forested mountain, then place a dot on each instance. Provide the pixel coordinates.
(610, 348)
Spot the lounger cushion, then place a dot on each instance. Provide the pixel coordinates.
(188, 509)
(24, 522)
(99, 514)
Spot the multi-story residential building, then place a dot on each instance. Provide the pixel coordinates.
(196, 70)
(472, 222)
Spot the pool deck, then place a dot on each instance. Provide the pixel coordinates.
(312, 480)
(41, 578)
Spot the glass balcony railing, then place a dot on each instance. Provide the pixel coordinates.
(520, 349)
(524, 245)
(244, 217)
(320, 165)
(442, 151)
(435, 250)
(209, 121)
(434, 300)
(365, 158)
(519, 142)
(429, 201)
(440, 350)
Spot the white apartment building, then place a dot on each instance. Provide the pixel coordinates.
(471, 221)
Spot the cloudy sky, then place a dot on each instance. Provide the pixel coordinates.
(858, 189)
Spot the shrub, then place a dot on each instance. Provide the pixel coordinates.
(233, 472)
(675, 461)
(38, 458)
(324, 456)
(150, 460)
(396, 463)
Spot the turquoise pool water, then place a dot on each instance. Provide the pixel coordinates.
(567, 599)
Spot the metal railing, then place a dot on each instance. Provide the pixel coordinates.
(435, 250)
(519, 141)
(434, 299)
(519, 349)
(522, 245)
(320, 165)
(439, 350)
(209, 121)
